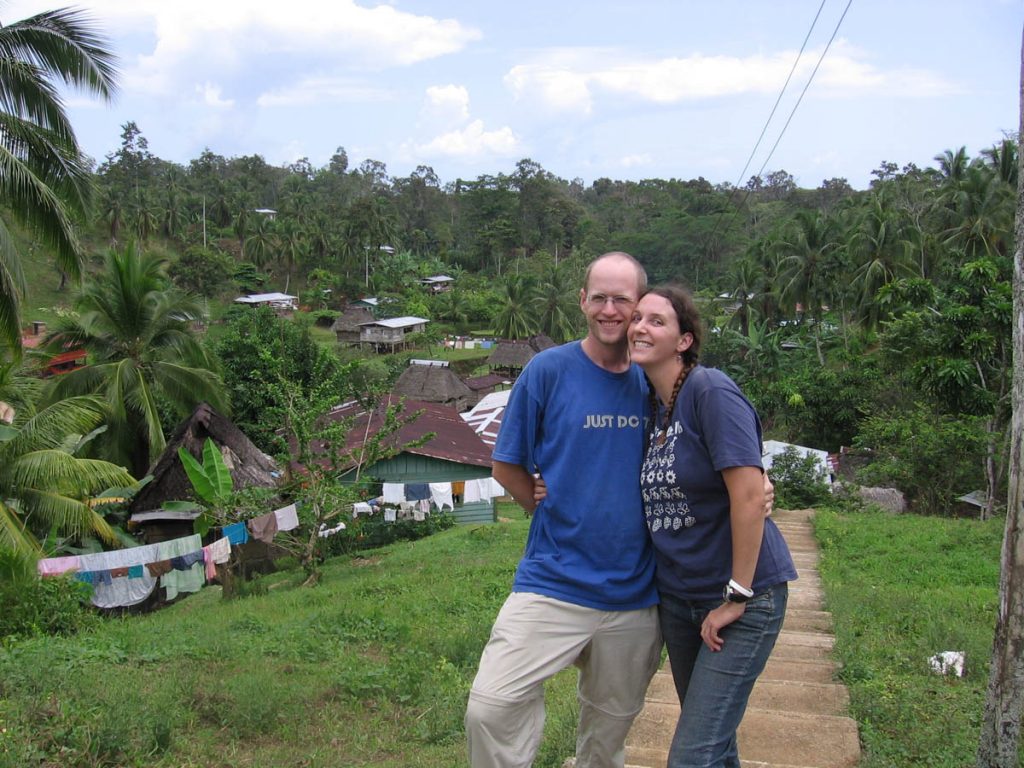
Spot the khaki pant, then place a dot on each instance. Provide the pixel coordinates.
(534, 638)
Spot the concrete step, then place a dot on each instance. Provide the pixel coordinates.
(801, 670)
(776, 695)
(788, 738)
(792, 515)
(808, 620)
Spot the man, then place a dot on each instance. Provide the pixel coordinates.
(584, 591)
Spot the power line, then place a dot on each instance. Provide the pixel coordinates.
(792, 112)
(785, 85)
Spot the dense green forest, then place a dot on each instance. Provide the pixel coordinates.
(874, 319)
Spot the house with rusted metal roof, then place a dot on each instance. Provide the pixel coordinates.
(451, 453)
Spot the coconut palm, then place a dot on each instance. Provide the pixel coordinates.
(137, 329)
(44, 486)
(555, 300)
(516, 319)
(804, 270)
(44, 179)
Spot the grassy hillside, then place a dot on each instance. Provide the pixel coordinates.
(372, 667)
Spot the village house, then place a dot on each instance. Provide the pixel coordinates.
(453, 455)
(282, 303)
(510, 357)
(347, 327)
(390, 333)
(434, 382)
(438, 283)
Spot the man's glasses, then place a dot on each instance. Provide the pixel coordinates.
(619, 302)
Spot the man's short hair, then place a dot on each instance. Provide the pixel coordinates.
(641, 273)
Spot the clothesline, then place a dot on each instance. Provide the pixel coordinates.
(123, 577)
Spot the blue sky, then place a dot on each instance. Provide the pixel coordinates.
(626, 90)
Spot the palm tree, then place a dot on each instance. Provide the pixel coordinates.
(516, 318)
(137, 328)
(44, 486)
(555, 302)
(292, 245)
(260, 244)
(878, 248)
(804, 270)
(44, 180)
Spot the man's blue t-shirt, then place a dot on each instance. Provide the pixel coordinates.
(713, 427)
(582, 428)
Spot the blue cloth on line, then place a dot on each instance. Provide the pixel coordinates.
(236, 533)
(417, 491)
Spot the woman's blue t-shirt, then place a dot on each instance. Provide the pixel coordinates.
(686, 504)
(582, 427)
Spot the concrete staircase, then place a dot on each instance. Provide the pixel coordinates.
(796, 717)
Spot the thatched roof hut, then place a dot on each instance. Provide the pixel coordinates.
(346, 326)
(434, 384)
(248, 465)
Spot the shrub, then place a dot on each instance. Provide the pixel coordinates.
(51, 606)
(799, 480)
(930, 457)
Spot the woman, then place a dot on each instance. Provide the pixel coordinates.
(722, 567)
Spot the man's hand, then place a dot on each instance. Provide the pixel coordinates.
(769, 495)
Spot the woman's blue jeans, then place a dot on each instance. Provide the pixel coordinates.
(714, 687)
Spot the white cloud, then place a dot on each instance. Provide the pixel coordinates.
(199, 35)
(446, 104)
(321, 90)
(472, 141)
(210, 96)
(571, 81)
(633, 161)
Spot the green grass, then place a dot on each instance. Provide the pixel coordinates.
(902, 589)
(370, 668)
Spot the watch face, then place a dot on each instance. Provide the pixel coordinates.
(733, 596)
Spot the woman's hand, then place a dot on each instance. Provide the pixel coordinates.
(717, 620)
(769, 495)
(540, 489)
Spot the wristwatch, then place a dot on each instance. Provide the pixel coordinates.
(736, 593)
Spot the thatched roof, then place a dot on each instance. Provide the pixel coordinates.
(540, 342)
(431, 383)
(351, 319)
(511, 354)
(248, 465)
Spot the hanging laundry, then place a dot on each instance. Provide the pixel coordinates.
(190, 580)
(236, 533)
(55, 566)
(123, 591)
(390, 514)
(392, 493)
(458, 490)
(159, 567)
(417, 491)
(287, 518)
(264, 527)
(118, 558)
(184, 562)
(475, 491)
(324, 531)
(441, 495)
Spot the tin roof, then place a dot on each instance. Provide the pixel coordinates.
(454, 440)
